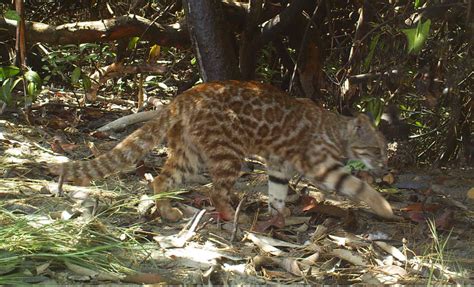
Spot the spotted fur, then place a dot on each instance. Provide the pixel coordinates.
(216, 125)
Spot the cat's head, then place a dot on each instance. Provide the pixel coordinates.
(366, 143)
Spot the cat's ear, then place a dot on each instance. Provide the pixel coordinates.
(371, 117)
(364, 119)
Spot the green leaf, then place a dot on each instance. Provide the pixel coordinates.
(84, 46)
(6, 91)
(416, 37)
(31, 89)
(355, 164)
(193, 61)
(368, 59)
(32, 76)
(417, 4)
(375, 108)
(76, 74)
(33, 86)
(19, 79)
(133, 43)
(8, 72)
(12, 15)
(86, 82)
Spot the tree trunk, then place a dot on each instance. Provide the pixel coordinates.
(211, 41)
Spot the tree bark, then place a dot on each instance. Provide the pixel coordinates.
(212, 43)
(249, 45)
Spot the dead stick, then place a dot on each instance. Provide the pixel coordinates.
(236, 218)
(129, 120)
(60, 184)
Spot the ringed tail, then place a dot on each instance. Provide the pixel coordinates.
(127, 152)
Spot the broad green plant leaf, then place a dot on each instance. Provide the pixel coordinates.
(418, 3)
(33, 86)
(32, 76)
(31, 89)
(86, 82)
(416, 37)
(6, 89)
(76, 74)
(8, 72)
(12, 15)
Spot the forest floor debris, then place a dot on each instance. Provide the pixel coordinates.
(99, 234)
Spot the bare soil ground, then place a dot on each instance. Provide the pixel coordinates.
(327, 239)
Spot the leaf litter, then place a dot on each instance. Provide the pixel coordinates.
(103, 233)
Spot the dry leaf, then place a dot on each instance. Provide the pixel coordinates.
(154, 53)
(277, 221)
(306, 203)
(274, 274)
(326, 209)
(268, 244)
(319, 233)
(365, 176)
(445, 220)
(420, 206)
(140, 168)
(145, 204)
(391, 250)
(99, 275)
(259, 261)
(296, 220)
(393, 270)
(272, 241)
(41, 268)
(93, 148)
(417, 216)
(312, 259)
(340, 241)
(264, 246)
(290, 265)
(56, 123)
(100, 135)
(56, 147)
(68, 147)
(350, 240)
(389, 274)
(349, 256)
(144, 278)
(470, 193)
(389, 178)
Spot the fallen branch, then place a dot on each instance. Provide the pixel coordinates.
(105, 30)
(129, 120)
(122, 27)
(115, 70)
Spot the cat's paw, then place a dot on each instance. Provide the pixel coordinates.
(167, 212)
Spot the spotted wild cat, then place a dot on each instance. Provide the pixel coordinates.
(217, 124)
